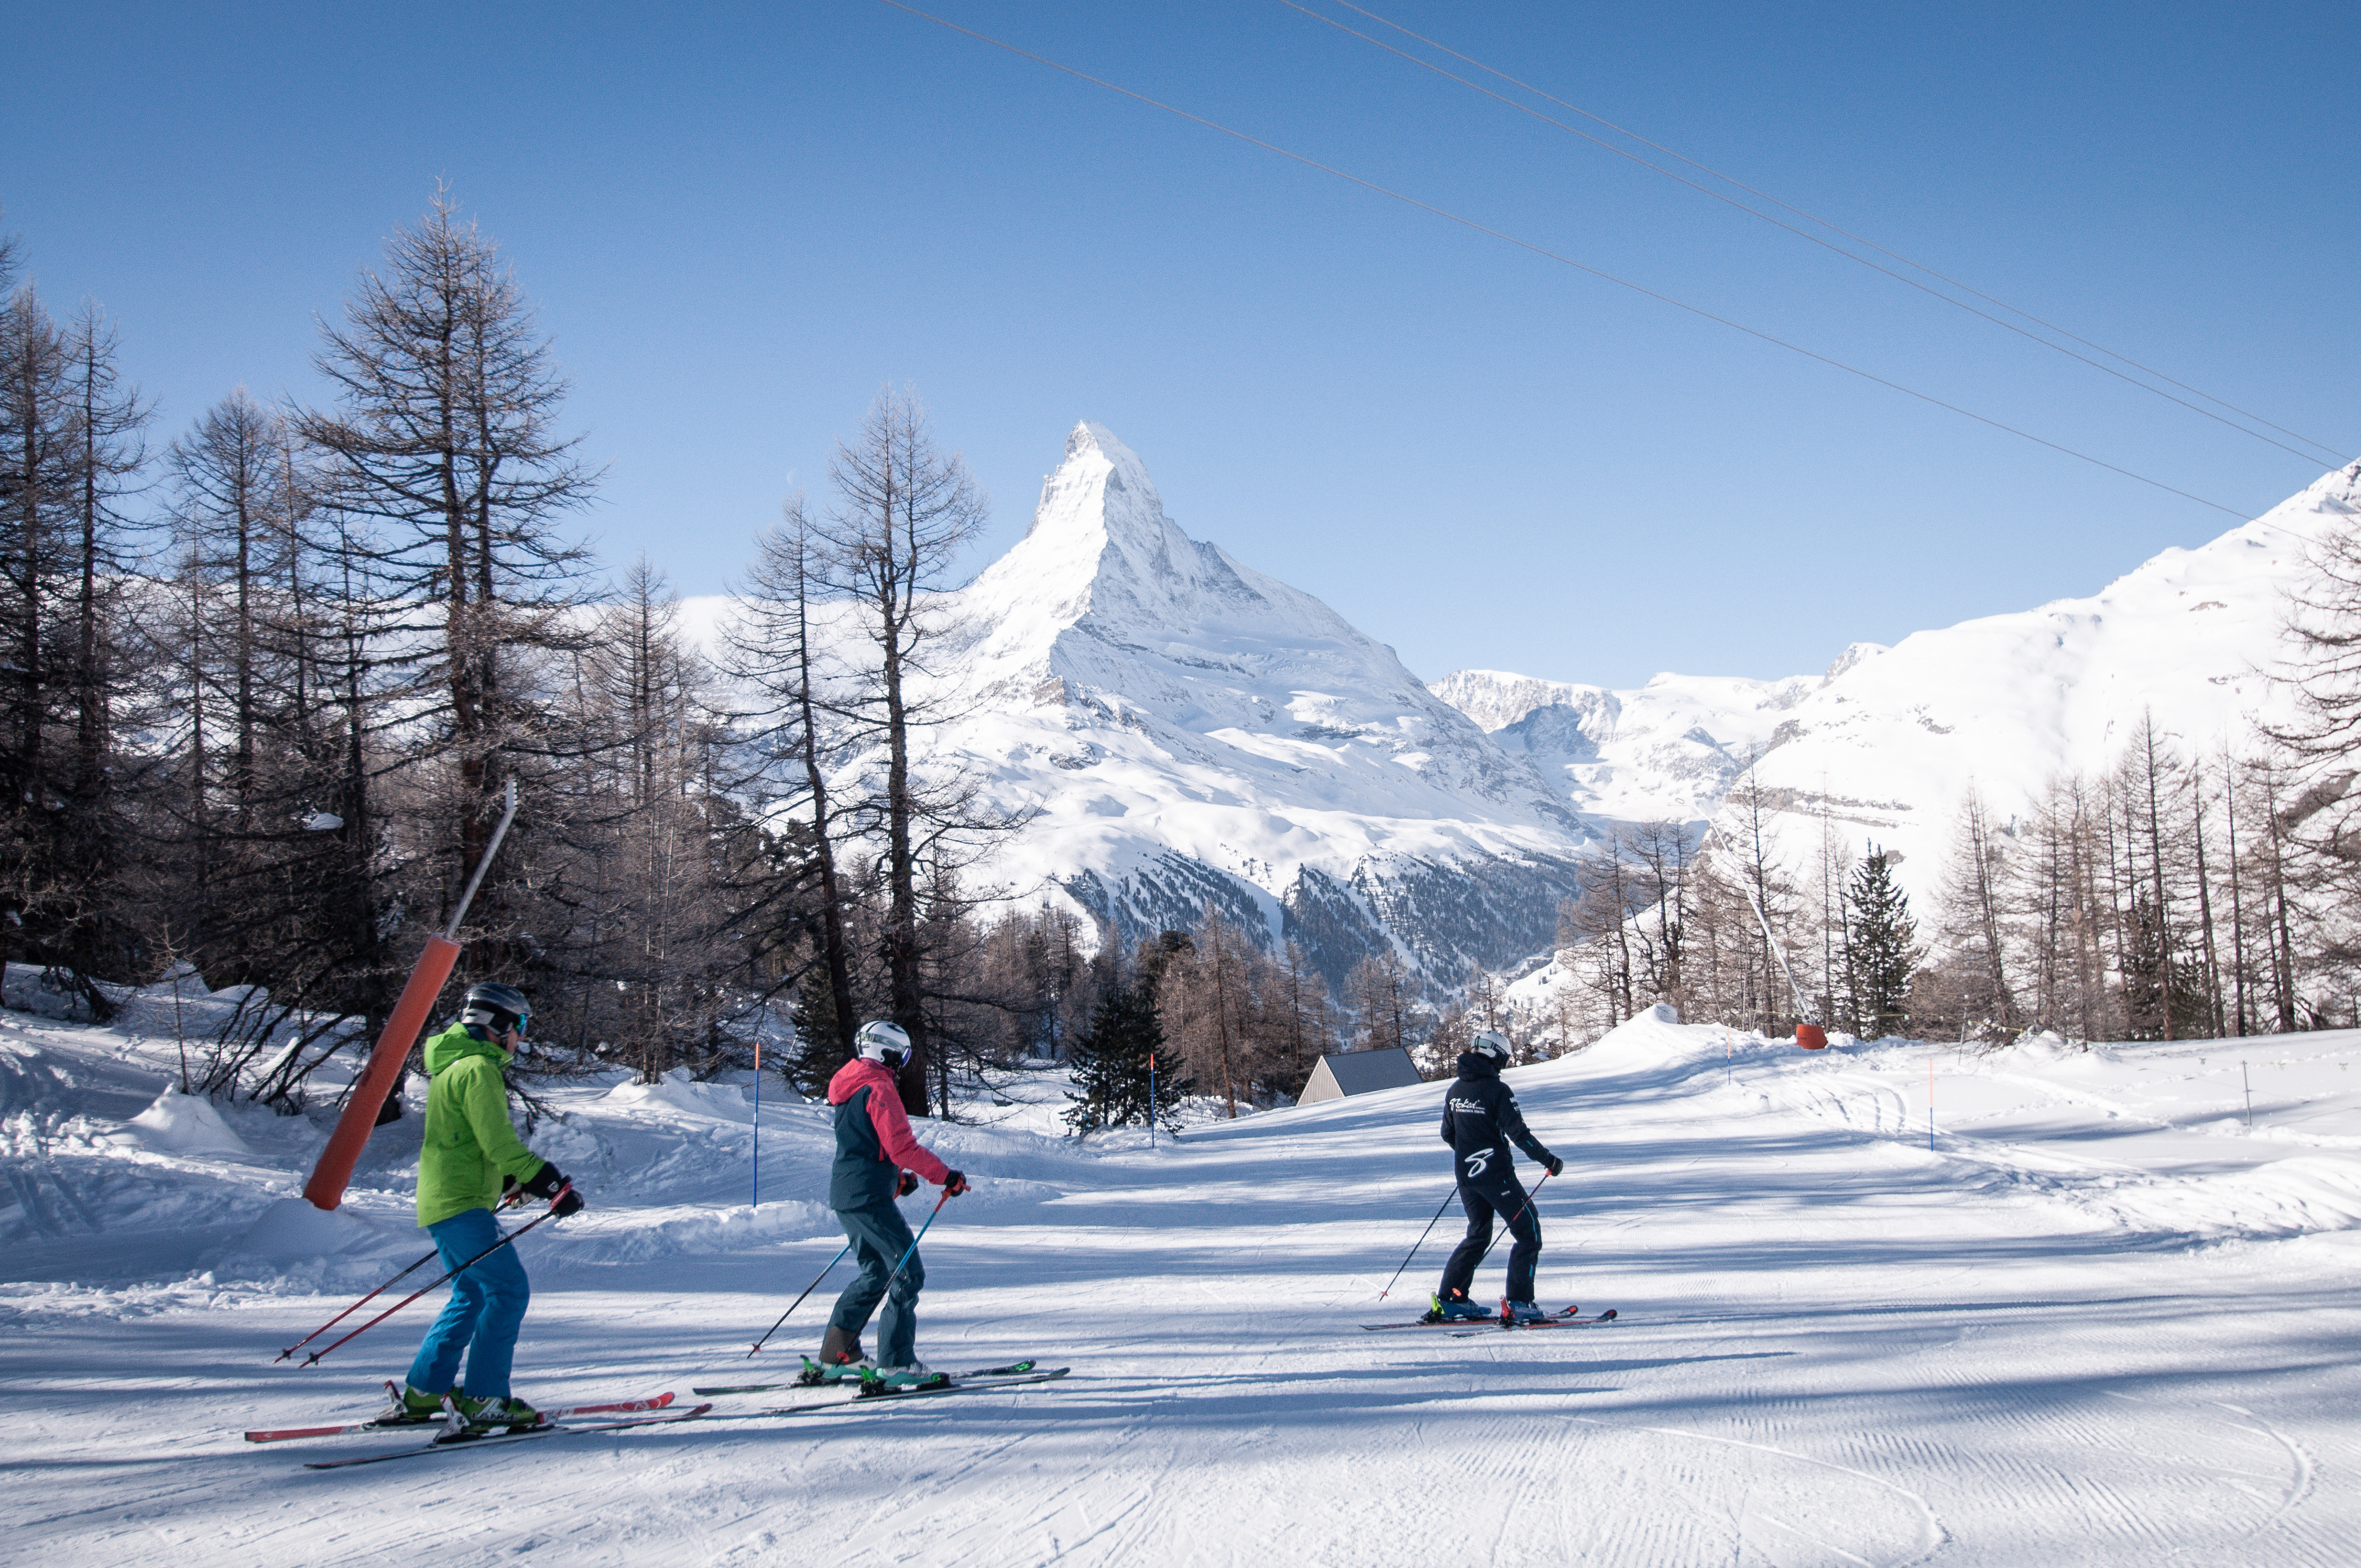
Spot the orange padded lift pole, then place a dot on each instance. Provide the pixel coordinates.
(411, 1011)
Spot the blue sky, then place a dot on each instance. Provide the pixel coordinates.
(740, 221)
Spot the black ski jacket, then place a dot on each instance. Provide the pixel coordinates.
(1479, 1117)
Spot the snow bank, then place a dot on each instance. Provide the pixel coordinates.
(679, 1090)
(186, 1124)
(292, 1230)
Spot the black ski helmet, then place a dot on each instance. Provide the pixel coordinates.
(497, 1008)
(1491, 1045)
(885, 1042)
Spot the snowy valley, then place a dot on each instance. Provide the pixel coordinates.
(2090, 1313)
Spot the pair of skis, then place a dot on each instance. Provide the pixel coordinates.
(449, 1441)
(1569, 1318)
(656, 1410)
(289, 1435)
(868, 1394)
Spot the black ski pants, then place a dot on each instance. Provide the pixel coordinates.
(1506, 1197)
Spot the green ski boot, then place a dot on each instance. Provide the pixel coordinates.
(815, 1373)
(879, 1380)
(408, 1406)
(495, 1415)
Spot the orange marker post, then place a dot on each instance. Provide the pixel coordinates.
(333, 1171)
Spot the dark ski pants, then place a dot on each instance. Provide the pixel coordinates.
(486, 1308)
(1508, 1200)
(880, 1236)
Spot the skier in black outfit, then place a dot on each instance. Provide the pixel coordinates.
(1480, 1118)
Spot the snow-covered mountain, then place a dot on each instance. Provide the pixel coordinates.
(1668, 751)
(2007, 702)
(1887, 742)
(1187, 727)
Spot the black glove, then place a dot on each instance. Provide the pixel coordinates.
(546, 1181)
(1556, 1165)
(569, 1204)
(907, 1185)
(508, 1187)
(954, 1183)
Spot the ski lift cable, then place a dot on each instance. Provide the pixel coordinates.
(1806, 235)
(1809, 217)
(1564, 260)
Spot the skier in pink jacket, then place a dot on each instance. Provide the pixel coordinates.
(877, 1160)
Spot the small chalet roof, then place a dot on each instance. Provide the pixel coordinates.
(1359, 1072)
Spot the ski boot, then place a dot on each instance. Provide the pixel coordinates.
(1455, 1308)
(840, 1360)
(483, 1418)
(816, 1373)
(1515, 1312)
(407, 1407)
(881, 1380)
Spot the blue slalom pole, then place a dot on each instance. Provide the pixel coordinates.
(1151, 1099)
(758, 1122)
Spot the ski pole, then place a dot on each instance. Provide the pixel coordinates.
(799, 1300)
(912, 1250)
(1515, 1217)
(1421, 1242)
(313, 1358)
(355, 1306)
(372, 1296)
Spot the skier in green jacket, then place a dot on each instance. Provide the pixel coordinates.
(470, 1147)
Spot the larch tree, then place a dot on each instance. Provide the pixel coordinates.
(905, 511)
(444, 452)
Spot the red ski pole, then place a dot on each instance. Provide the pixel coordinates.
(313, 1359)
(507, 1202)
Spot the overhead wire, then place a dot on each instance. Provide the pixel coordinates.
(1564, 260)
(2335, 457)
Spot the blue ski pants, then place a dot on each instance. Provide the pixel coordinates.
(880, 1236)
(1508, 1200)
(481, 1319)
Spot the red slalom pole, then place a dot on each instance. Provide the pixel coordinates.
(326, 1188)
(313, 1358)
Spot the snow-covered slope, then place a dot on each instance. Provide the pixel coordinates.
(1887, 741)
(2101, 1321)
(1187, 727)
(1889, 747)
(1666, 751)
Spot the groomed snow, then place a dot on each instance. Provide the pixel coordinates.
(2103, 1321)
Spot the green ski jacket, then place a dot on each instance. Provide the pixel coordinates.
(469, 1139)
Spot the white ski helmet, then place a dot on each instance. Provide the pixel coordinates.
(1492, 1045)
(497, 1008)
(883, 1042)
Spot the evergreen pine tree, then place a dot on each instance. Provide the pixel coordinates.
(820, 1044)
(1111, 1066)
(1880, 951)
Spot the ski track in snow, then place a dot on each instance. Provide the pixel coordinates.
(2102, 1322)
